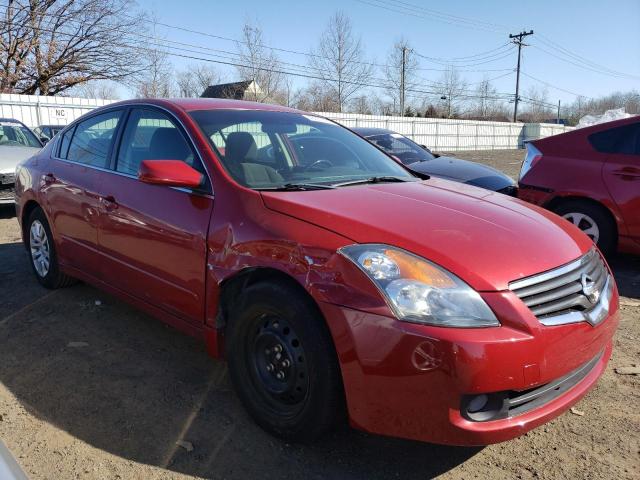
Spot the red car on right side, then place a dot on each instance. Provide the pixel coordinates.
(591, 177)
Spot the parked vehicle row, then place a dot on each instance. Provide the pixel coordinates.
(335, 282)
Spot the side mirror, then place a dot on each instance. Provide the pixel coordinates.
(44, 139)
(173, 173)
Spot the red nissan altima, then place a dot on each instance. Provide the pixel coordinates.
(334, 282)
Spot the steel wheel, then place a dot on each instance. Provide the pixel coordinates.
(585, 223)
(39, 246)
(279, 366)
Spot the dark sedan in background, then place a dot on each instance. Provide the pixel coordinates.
(420, 159)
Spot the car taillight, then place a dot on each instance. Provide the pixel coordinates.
(531, 158)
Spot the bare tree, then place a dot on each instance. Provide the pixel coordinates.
(361, 104)
(259, 63)
(452, 91)
(49, 46)
(339, 60)
(156, 81)
(538, 107)
(194, 80)
(486, 105)
(393, 70)
(316, 98)
(102, 89)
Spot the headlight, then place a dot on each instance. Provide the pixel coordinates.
(419, 291)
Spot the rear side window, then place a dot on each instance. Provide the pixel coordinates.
(152, 135)
(92, 140)
(622, 140)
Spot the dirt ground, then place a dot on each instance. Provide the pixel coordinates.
(93, 389)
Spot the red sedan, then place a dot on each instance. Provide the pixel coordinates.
(591, 177)
(335, 283)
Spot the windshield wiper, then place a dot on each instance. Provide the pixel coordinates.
(294, 187)
(380, 179)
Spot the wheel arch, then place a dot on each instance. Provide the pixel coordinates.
(232, 286)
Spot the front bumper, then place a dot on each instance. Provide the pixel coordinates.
(410, 381)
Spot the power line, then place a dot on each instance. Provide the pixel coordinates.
(553, 86)
(562, 54)
(430, 14)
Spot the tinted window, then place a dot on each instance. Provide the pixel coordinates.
(263, 149)
(625, 140)
(151, 135)
(403, 148)
(92, 139)
(64, 143)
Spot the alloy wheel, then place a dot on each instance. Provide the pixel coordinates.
(585, 223)
(39, 246)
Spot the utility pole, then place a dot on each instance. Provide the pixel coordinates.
(517, 39)
(558, 115)
(402, 79)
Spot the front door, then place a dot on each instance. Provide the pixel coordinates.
(153, 237)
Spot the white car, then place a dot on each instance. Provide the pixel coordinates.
(17, 143)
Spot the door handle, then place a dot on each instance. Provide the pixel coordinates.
(49, 178)
(109, 203)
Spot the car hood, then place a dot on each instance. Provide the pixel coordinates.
(10, 156)
(464, 171)
(486, 238)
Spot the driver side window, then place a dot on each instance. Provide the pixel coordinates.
(151, 135)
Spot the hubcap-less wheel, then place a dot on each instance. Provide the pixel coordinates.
(279, 365)
(584, 223)
(39, 245)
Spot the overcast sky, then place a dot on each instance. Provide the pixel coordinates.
(605, 33)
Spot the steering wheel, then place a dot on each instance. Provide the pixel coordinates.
(320, 163)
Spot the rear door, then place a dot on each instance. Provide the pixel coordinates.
(70, 187)
(621, 171)
(152, 238)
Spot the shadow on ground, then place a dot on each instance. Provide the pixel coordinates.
(627, 271)
(7, 211)
(136, 387)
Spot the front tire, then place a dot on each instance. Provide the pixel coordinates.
(42, 252)
(283, 364)
(593, 220)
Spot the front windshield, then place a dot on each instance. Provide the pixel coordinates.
(14, 134)
(407, 151)
(270, 150)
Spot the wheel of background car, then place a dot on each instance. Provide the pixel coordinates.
(44, 260)
(282, 362)
(320, 163)
(593, 220)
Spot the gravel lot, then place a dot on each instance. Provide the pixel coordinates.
(91, 388)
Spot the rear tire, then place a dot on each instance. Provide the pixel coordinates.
(42, 252)
(593, 220)
(283, 364)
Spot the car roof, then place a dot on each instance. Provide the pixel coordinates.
(12, 120)
(370, 131)
(194, 104)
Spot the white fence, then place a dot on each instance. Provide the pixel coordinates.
(33, 110)
(451, 135)
(436, 133)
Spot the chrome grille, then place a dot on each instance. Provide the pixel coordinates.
(569, 293)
